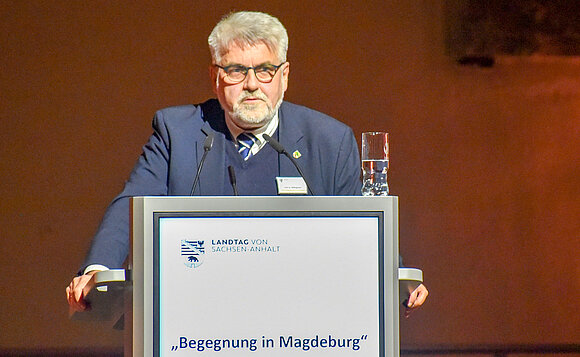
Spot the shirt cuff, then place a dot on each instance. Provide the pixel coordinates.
(97, 267)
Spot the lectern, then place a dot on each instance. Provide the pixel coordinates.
(264, 276)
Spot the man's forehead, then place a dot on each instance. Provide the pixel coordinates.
(257, 53)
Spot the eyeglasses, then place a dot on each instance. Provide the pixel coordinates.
(236, 73)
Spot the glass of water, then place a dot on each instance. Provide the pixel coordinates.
(375, 163)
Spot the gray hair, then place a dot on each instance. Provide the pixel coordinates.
(248, 28)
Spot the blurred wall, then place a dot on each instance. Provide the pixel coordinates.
(485, 161)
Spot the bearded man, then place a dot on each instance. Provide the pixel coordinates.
(249, 74)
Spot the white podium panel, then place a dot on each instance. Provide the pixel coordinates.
(265, 276)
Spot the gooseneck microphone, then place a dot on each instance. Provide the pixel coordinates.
(207, 144)
(280, 149)
(233, 182)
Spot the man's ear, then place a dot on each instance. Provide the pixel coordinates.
(213, 75)
(285, 73)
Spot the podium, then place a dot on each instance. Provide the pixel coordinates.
(264, 276)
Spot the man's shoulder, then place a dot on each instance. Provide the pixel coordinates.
(189, 116)
(188, 111)
(304, 116)
(289, 108)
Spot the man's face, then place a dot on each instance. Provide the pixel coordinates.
(249, 104)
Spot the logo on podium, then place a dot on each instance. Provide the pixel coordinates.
(193, 252)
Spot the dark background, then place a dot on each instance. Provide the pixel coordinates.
(485, 161)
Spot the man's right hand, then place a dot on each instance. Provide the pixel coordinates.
(77, 290)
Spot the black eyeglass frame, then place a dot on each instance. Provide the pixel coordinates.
(245, 70)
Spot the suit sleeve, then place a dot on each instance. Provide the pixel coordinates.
(110, 245)
(347, 176)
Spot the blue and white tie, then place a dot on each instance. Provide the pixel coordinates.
(245, 142)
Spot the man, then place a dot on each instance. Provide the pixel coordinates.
(249, 74)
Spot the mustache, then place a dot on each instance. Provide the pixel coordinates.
(258, 94)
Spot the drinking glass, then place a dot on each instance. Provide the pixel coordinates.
(375, 163)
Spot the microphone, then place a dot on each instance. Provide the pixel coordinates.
(280, 149)
(233, 179)
(207, 144)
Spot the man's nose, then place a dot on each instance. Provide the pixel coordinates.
(251, 82)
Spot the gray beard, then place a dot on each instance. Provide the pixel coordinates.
(255, 117)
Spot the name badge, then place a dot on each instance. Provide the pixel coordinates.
(291, 186)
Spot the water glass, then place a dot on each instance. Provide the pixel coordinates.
(375, 163)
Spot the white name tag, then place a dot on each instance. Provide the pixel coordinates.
(291, 186)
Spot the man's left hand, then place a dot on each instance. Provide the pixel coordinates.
(416, 299)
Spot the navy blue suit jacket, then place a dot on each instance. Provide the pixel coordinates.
(330, 161)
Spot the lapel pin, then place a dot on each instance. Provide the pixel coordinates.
(296, 154)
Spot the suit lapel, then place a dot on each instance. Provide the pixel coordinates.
(212, 180)
(290, 136)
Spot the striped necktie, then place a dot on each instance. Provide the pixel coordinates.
(245, 142)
